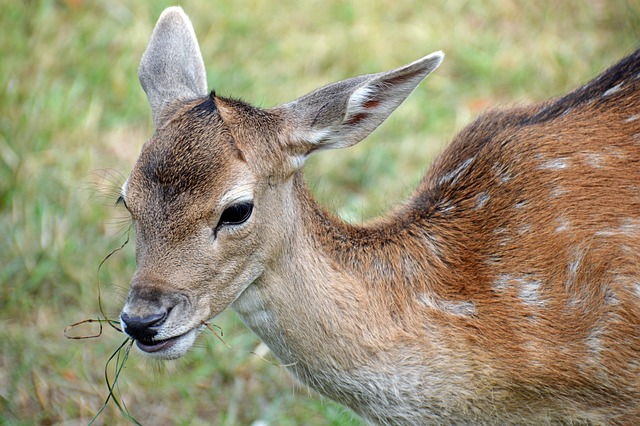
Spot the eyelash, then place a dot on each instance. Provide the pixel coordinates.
(121, 200)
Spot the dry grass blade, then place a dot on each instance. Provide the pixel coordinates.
(112, 323)
(68, 328)
(219, 337)
(120, 355)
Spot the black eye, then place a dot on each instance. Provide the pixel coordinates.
(236, 214)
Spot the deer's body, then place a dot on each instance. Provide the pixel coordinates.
(506, 290)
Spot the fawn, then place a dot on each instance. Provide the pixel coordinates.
(505, 290)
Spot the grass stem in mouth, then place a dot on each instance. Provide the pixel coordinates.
(120, 355)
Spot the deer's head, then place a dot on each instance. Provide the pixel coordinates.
(211, 193)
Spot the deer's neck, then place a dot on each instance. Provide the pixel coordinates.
(336, 298)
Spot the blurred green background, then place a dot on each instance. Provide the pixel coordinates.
(73, 118)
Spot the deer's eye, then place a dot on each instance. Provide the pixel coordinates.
(236, 214)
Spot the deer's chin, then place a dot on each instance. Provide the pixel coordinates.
(169, 348)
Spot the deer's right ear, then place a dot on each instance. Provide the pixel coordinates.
(344, 113)
(172, 68)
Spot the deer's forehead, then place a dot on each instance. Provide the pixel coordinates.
(192, 160)
(188, 159)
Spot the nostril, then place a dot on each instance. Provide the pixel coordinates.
(141, 328)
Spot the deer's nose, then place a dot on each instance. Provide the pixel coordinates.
(143, 328)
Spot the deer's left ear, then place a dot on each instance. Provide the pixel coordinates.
(172, 68)
(344, 113)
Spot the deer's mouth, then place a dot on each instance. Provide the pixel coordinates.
(170, 348)
(151, 345)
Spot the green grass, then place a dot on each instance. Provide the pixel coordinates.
(72, 119)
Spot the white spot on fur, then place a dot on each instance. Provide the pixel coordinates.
(613, 90)
(502, 282)
(563, 224)
(593, 159)
(453, 176)
(432, 241)
(631, 118)
(481, 199)
(558, 191)
(446, 207)
(466, 308)
(572, 273)
(530, 292)
(607, 232)
(501, 230)
(574, 265)
(630, 226)
(502, 173)
(458, 308)
(502, 235)
(521, 204)
(594, 342)
(610, 297)
(527, 286)
(493, 260)
(555, 164)
(523, 229)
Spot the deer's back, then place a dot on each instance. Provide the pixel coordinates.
(536, 216)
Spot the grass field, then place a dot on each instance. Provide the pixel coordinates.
(73, 118)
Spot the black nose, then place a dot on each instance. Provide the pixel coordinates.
(143, 328)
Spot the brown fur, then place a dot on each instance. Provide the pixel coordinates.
(505, 290)
(542, 352)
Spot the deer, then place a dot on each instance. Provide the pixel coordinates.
(505, 290)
